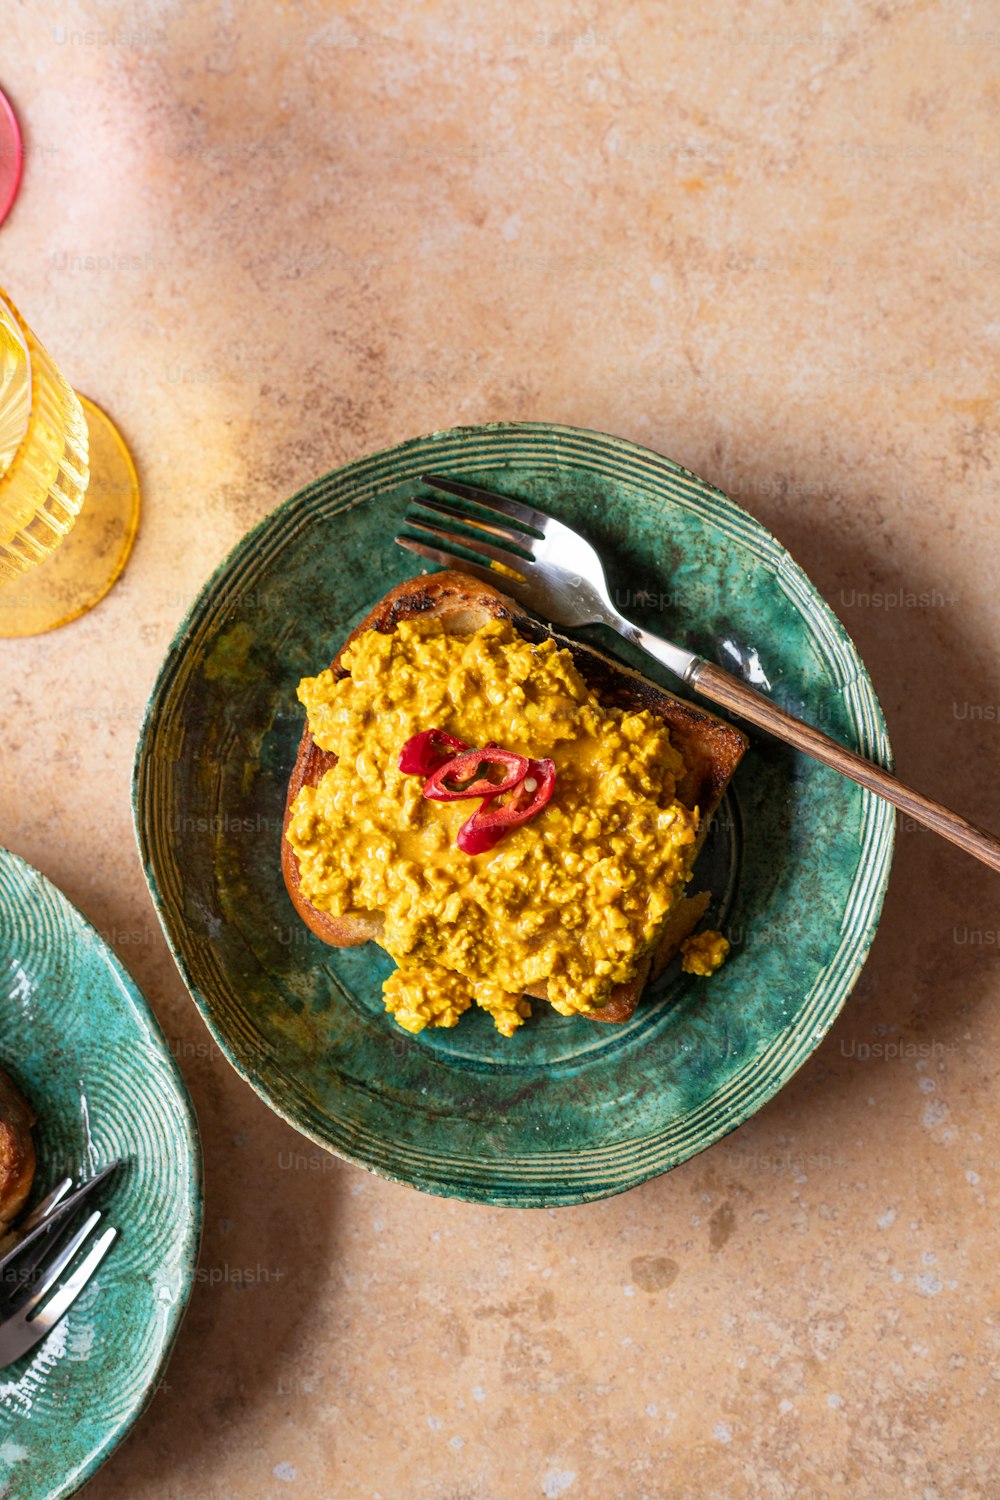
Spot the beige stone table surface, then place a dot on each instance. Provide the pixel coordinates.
(272, 237)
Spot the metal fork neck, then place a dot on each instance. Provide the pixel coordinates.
(684, 664)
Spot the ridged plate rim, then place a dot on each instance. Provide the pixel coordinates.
(520, 1181)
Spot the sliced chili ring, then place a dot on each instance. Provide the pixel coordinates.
(493, 819)
(469, 775)
(425, 752)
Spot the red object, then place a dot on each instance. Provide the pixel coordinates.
(425, 752)
(11, 156)
(493, 818)
(460, 777)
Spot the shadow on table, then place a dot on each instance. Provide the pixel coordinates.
(932, 961)
(246, 1348)
(935, 955)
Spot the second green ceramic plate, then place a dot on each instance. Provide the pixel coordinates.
(78, 1038)
(566, 1110)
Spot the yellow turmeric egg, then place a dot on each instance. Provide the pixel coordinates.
(572, 899)
(704, 953)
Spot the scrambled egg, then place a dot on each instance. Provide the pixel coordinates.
(704, 953)
(572, 899)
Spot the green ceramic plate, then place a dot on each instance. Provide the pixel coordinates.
(567, 1110)
(80, 1040)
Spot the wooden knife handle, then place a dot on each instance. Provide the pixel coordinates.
(737, 698)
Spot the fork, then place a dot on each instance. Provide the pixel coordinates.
(48, 1212)
(24, 1320)
(558, 574)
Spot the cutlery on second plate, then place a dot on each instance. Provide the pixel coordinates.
(49, 1211)
(27, 1311)
(25, 1322)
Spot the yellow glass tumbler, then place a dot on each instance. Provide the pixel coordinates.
(69, 496)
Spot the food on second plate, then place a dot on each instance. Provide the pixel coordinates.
(508, 814)
(17, 1151)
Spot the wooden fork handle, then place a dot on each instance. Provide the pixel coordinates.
(737, 698)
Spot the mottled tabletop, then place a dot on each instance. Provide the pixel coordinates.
(272, 238)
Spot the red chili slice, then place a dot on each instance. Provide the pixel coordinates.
(469, 775)
(493, 819)
(425, 752)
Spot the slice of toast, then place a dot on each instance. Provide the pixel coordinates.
(710, 747)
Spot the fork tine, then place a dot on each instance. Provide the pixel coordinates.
(19, 1277)
(513, 508)
(54, 1270)
(67, 1294)
(452, 560)
(506, 533)
(42, 1209)
(482, 549)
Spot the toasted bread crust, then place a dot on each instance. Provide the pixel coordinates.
(17, 1151)
(710, 747)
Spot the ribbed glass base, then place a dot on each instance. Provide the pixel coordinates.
(96, 528)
